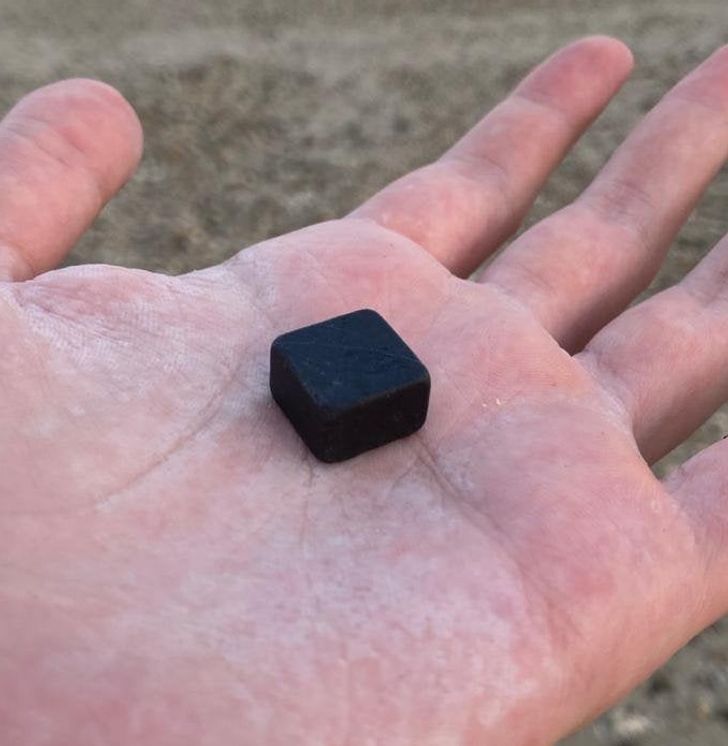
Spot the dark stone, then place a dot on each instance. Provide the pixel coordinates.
(349, 384)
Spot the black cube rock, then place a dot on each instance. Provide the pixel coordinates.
(348, 384)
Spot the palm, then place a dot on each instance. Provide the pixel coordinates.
(201, 573)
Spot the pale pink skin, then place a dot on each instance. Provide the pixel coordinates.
(177, 570)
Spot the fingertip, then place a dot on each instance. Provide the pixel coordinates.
(602, 55)
(607, 47)
(95, 119)
(583, 75)
(119, 109)
(114, 112)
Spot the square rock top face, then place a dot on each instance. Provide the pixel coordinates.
(349, 384)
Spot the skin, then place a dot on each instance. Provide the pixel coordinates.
(178, 570)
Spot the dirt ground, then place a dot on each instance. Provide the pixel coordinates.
(262, 116)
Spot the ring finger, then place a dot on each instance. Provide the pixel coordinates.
(666, 358)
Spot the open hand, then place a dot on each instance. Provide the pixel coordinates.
(176, 569)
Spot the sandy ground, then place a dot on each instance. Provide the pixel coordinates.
(265, 116)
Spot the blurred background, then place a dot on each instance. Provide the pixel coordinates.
(265, 115)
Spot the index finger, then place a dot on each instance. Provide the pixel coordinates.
(464, 205)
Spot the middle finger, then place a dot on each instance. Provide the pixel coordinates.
(580, 267)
